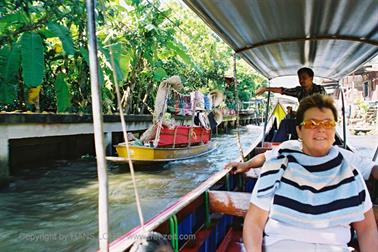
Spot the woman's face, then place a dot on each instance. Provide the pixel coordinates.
(318, 140)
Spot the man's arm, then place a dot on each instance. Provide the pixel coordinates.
(367, 232)
(253, 228)
(374, 172)
(255, 162)
(294, 92)
(262, 90)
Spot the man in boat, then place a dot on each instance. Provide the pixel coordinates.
(306, 88)
(290, 113)
(299, 206)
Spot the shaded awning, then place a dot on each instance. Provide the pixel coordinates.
(277, 37)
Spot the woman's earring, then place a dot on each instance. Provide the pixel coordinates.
(300, 139)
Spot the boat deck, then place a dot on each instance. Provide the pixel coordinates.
(233, 241)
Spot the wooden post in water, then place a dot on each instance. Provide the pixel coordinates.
(237, 108)
(98, 130)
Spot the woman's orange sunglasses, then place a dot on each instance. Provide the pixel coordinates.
(313, 124)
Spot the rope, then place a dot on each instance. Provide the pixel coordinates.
(237, 113)
(124, 130)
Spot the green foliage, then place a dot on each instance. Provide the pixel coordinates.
(362, 105)
(159, 74)
(64, 35)
(63, 95)
(45, 42)
(85, 55)
(12, 20)
(116, 51)
(32, 59)
(9, 66)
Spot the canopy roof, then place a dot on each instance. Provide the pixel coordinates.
(277, 37)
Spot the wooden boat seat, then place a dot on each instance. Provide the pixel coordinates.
(259, 150)
(232, 242)
(204, 238)
(230, 203)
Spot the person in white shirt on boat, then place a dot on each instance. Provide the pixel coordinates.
(308, 195)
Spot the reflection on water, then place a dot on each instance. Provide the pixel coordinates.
(54, 207)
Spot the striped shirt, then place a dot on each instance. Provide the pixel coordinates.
(317, 192)
(300, 93)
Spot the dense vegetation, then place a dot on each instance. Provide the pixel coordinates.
(44, 56)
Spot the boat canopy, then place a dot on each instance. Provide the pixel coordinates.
(333, 37)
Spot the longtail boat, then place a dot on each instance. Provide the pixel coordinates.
(162, 143)
(275, 37)
(142, 155)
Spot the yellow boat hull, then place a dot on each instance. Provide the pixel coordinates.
(142, 154)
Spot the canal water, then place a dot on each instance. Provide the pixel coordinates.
(54, 207)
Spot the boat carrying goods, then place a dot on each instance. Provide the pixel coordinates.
(183, 135)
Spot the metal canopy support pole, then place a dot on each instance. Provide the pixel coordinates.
(266, 117)
(237, 107)
(98, 130)
(343, 113)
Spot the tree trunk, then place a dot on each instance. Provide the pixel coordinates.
(132, 82)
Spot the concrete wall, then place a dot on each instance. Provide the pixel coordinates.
(26, 138)
(36, 138)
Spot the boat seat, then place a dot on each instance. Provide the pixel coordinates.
(206, 237)
(230, 203)
(259, 150)
(232, 242)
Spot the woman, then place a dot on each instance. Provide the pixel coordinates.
(307, 195)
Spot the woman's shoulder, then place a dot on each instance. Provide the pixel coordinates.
(291, 144)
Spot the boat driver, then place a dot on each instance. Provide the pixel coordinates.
(306, 88)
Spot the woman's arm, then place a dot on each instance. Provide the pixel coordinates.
(256, 162)
(367, 233)
(253, 228)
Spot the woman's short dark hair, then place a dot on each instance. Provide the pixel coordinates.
(315, 101)
(306, 70)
